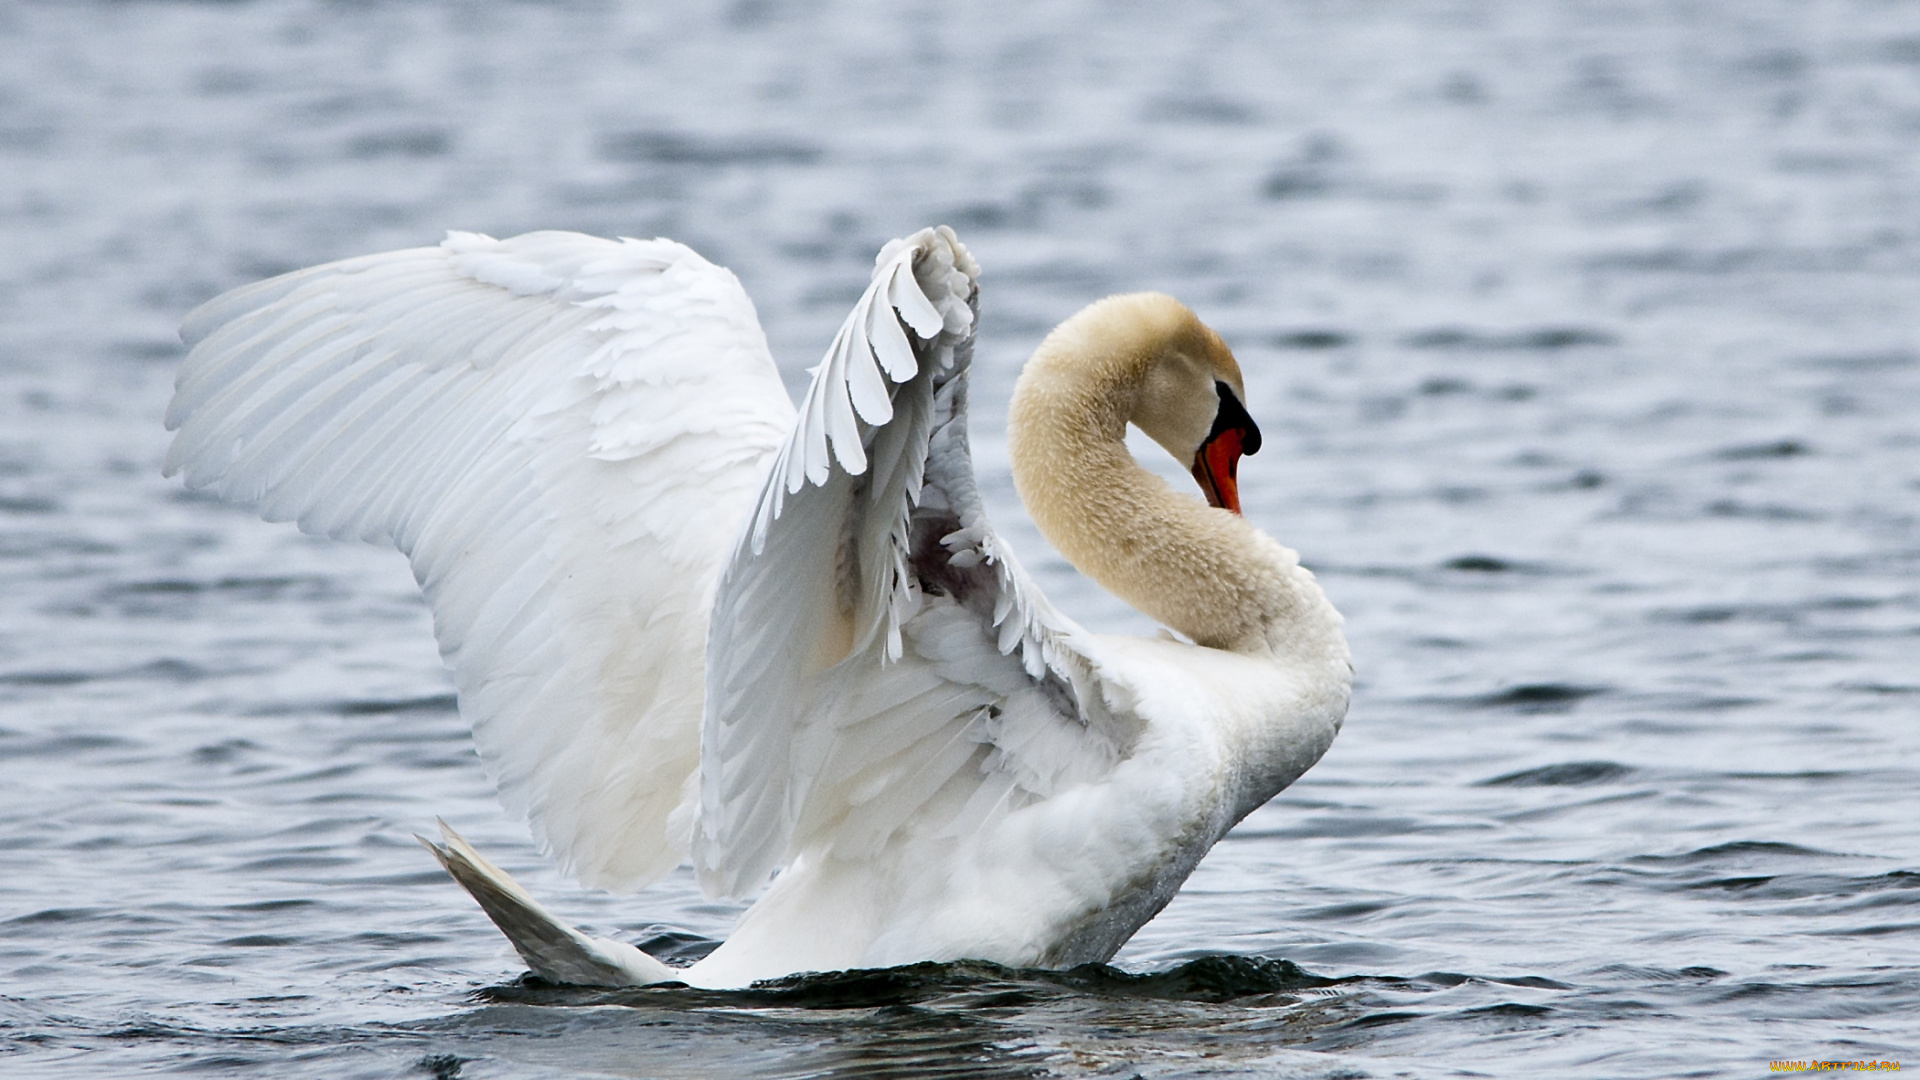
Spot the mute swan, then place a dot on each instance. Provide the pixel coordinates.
(687, 621)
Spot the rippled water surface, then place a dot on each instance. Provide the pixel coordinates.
(1584, 340)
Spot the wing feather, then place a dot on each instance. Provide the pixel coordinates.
(563, 434)
(878, 664)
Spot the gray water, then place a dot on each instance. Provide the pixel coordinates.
(1583, 337)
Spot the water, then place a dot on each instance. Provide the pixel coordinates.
(1582, 336)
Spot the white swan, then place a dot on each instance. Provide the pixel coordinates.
(687, 622)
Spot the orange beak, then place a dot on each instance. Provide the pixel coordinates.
(1216, 465)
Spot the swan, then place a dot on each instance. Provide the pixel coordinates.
(690, 621)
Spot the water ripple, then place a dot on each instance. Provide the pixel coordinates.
(1583, 346)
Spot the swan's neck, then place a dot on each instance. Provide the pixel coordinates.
(1202, 571)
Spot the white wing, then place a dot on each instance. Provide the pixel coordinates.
(878, 664)
(565, 435)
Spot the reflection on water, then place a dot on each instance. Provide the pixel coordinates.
(1582, 337)
(967, 1019)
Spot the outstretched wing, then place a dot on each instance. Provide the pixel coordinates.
(878, 663)
(564, 434)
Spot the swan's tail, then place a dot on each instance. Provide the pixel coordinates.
(555, 951)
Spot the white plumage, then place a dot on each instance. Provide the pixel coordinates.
(689, 621)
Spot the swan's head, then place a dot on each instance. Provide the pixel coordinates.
(1191, 396)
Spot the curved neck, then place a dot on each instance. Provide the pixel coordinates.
(1202, 571)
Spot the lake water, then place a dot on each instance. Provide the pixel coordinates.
(1584, 340)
